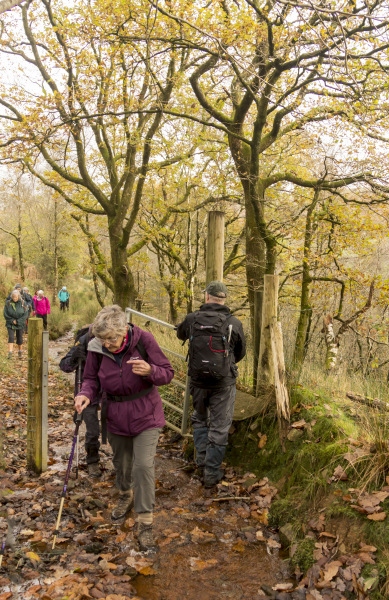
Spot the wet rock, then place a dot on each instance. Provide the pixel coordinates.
(294, 435)
(268, 591)
(98, 503)
(287, 535)
(131, 572)
(94, 548)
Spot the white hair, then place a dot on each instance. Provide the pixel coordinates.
(15, 292)
(110, 322)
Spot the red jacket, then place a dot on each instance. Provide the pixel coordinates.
(133, 416)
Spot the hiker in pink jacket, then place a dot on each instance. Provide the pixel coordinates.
(42, 307)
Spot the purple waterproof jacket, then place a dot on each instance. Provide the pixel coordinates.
(132, 416)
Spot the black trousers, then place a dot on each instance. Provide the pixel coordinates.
(11, 336)
(44, 319)
(64, 304)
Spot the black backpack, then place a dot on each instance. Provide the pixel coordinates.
(210, 356)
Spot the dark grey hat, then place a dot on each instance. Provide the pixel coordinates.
(217, 289)
(18, 286)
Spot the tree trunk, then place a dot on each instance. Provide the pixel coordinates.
(19, 241)
(300, 347)
(331, 343)
(269, 313)
(124, 290)
(55, 253)
(8, 4)
(94, 274)
(255, 270)
(173, 308)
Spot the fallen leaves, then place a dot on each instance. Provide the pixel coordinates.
(196, 564)
(378, 516)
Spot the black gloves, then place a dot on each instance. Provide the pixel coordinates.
(79, 353)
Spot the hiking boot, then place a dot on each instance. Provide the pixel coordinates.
(94, 470)
(9, 354)
(145, 538)
(210, 480)
(124, 505)
(20, 354)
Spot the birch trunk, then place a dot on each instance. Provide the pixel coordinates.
(331, 343)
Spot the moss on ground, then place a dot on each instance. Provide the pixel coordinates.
(303, 475)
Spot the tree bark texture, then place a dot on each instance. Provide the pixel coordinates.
(269, 313)
(305, 315)
(332, 344)
(215, 247)
(8, 4)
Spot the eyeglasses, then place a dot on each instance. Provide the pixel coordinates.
(108, 341)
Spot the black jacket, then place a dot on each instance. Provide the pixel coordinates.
(238, 342)
(75, 357)
(29, 301)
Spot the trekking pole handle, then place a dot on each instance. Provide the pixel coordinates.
(79, 417)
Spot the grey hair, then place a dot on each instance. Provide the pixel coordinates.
(110, 322)
(216, 299)
(25, 289)
(15, 291)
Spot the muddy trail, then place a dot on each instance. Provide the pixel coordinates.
(212, 546)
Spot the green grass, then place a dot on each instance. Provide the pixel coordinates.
(303, 473)
(59, 323)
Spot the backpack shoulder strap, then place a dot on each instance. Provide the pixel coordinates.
(142, 350)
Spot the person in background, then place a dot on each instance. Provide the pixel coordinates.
(42, 307)
(216, 344)
(29, 302)
(18, 286)
(134, 412)
(75, 360)
(63, 296)
(15, 314)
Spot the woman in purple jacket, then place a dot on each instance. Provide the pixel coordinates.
(134, 409)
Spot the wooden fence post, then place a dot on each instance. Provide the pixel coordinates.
(281, 392)
(269, 312)
(271, 364)
(215, 246)
(36, 404)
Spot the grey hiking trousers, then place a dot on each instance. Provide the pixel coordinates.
(214, 410)
(133, 459)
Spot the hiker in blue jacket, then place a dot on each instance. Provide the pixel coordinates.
(63, 296)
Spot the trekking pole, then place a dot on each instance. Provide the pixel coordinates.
(78, 387)
(63, 495)
(2, 552)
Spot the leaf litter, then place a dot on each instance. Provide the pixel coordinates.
(224, 533)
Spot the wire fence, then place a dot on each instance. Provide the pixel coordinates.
(31, 419)
(175, 396)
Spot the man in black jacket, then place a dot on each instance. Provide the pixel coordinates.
(75, 361)
(29, 301)
(213, 389)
